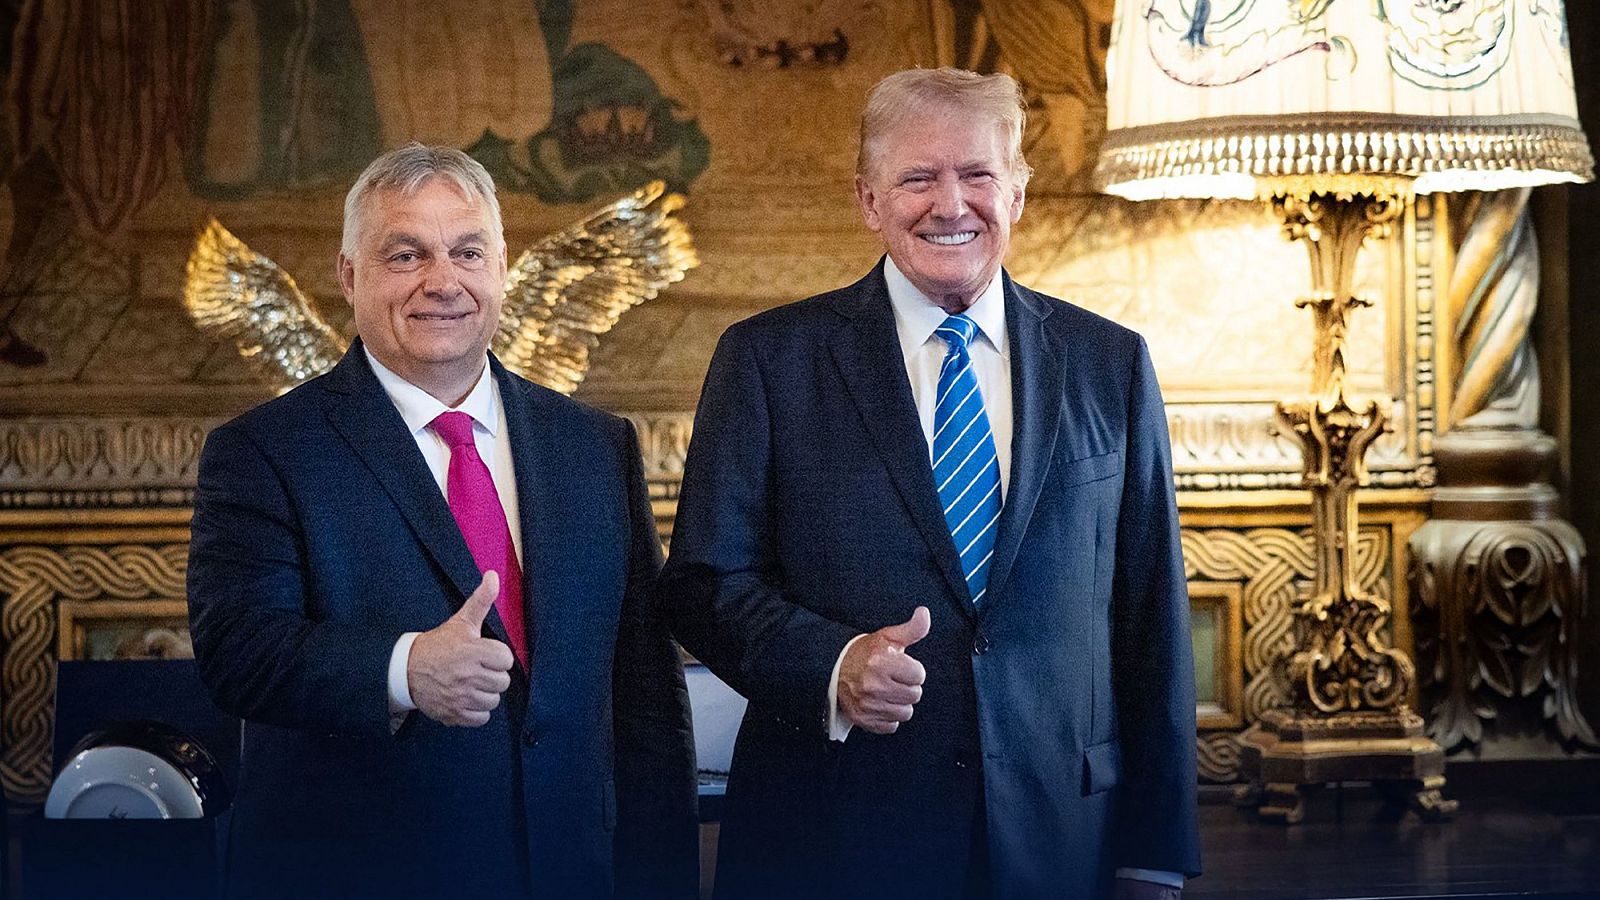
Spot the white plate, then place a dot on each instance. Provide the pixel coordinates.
(121, 783)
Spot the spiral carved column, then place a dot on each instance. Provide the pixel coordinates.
(1500, 575)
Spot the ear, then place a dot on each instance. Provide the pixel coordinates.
(867, 198)
(347, 278)
(1019, 192)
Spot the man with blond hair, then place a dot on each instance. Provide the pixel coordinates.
(938, 492)
(425, 585)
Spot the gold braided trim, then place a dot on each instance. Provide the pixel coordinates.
(1257, 156)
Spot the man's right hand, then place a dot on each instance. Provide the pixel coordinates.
(454, 673)
(879, 682)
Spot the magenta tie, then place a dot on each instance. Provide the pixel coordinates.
(477, 510)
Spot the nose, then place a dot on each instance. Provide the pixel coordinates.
(949, 201)
(440, 280)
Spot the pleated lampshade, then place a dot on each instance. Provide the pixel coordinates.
(1250, 98)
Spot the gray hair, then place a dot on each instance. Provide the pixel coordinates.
(914, 92)
(406, 169)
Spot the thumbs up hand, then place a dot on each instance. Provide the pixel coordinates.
(879, 682)
(454, 673)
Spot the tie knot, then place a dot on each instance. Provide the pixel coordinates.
(957, 329)
(454, 427)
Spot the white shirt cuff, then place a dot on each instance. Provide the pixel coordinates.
(1154, 876)
(838, 726)
(399, 687)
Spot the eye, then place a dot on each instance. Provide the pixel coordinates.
(472, 254)
(405, 257)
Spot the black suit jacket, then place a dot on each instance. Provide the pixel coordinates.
(319, 538)
(1059, 715)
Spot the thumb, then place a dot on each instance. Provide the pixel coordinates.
(911, 630)
(482, 600)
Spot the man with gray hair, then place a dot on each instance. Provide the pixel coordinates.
(938, 492)
(425, 585)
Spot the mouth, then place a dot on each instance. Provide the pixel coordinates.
(438, 317)
(950, 240)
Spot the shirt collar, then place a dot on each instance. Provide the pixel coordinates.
(916, 317)
(419, 408)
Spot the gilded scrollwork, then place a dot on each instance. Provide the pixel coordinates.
(1218, 756)
(33, 580)
(1343, 662)
(1348, 715)
(27, 675)
(83, 461)
(1272, 564)
(1275, 567)
(82, 453)
(141, 462)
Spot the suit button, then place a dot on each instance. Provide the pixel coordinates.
(530, 737)
(980, 644)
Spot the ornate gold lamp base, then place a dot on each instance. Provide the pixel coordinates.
(1349, 719)
(1285, 757)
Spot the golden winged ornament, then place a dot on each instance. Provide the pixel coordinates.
(561, 294)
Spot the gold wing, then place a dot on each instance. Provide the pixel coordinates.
(571, 287)
(234, 293)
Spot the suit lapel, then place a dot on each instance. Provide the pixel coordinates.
(869, 359)
(531, 456)
(363, 415)
(1036, 390)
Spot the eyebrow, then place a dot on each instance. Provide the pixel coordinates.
(967, 166)
(406, 239)
(400, 240)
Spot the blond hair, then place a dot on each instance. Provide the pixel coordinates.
(916, 92)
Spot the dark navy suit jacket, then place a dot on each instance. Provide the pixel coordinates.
(1059, 716)
(320, 537)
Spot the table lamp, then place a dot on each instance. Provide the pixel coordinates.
(1338, 114)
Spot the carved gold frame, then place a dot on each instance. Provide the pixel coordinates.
(1226, 602)
(77, 618)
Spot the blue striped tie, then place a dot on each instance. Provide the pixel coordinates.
(965, 467)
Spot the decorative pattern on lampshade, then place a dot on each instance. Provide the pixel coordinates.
(1247, 98)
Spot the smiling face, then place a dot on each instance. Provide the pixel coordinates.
(942, 193)
(426, 278)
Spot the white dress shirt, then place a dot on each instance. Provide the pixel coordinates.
(915, 319)
(489, 431)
